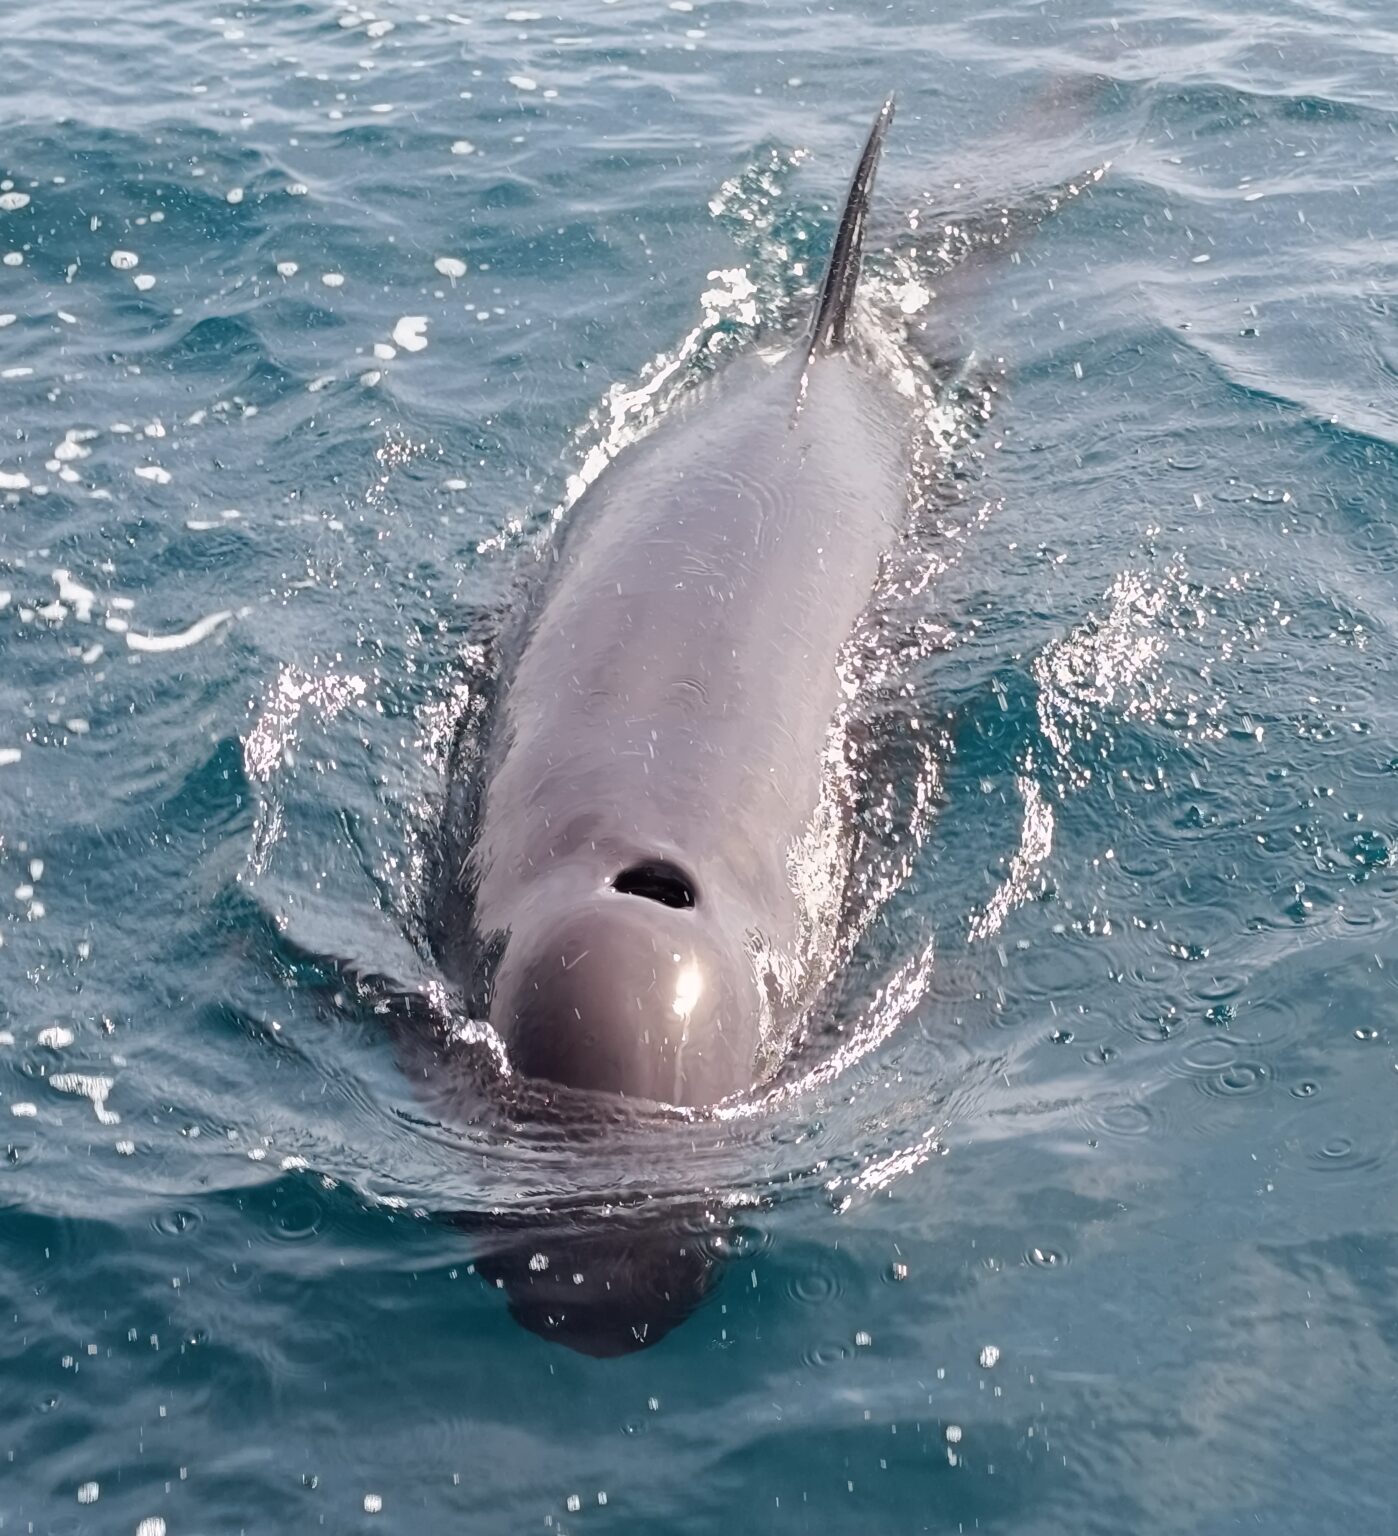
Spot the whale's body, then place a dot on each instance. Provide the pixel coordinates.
(649, 866)
(643, 866)
(662, 783)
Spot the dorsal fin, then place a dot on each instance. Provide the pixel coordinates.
(842, 275)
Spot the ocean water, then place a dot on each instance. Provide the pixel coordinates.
(1077, 1211)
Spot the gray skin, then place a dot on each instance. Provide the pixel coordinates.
(671, 706)
(649, 866)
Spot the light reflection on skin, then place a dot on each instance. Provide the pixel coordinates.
(688, 989)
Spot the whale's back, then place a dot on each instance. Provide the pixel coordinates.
(678, 682)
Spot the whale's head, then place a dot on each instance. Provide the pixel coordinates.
(634, 988)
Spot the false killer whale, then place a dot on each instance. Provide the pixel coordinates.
(643, 892)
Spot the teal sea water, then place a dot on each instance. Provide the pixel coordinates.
(1080, 1210)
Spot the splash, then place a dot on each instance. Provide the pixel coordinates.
(1027, 863)
(270, 743)
(893, 1003)
(881, 1173)
(1107, 665)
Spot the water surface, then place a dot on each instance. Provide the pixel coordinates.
(1082, 1215)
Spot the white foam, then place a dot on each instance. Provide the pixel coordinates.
(409, 333)
(201, 629)
(79, 598)
(88, 1086)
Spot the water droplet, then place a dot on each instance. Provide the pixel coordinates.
(1369, 850)
(1236, 1080)
(815, 1285)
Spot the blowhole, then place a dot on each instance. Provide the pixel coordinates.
(656, 880)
